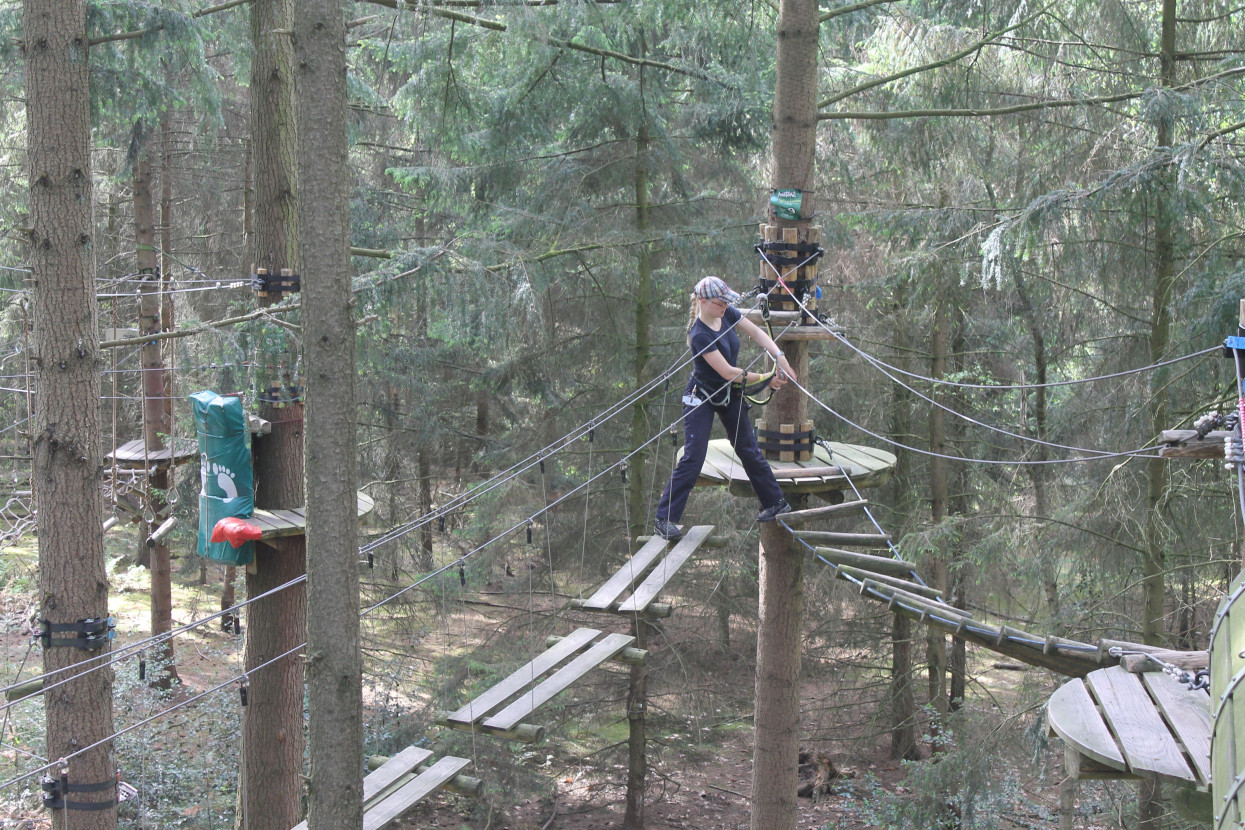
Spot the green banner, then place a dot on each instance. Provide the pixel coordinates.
(225, 476)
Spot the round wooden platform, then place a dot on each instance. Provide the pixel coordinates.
(1123, 725)
(866, 466)
(133, 455)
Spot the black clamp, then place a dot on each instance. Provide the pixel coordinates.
(92, 633)
(267, 284)
(789, 254)
(55, 791)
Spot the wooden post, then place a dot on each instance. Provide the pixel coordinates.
(637, 704)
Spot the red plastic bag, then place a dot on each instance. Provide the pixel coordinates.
(235, 531)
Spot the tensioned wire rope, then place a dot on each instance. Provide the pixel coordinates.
(448, 566)
(1099, 454)
(877, 361)
(112, 657)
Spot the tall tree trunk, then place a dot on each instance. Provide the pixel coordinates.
(271, 785)
(901, 697)
(777, 707)
(637, 515)
(1039, 473)
(73, 581)
(155, 411)
(936, 641)
(957, 577)
(334, 673)
(1149, 814)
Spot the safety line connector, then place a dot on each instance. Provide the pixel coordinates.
(55, 791)
(267, 284)
(91, 633)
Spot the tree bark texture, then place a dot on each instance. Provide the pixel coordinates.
(67, 459)
(334, 673)
(274, 138)
(775, 770)
(637, 709)
(155, 412)
(640, 427)
(271, 786)
(936, 641)
(1153, 628)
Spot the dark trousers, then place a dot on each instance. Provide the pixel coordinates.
(697, 424)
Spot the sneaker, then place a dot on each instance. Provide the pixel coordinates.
(668, 530)
(774, 511)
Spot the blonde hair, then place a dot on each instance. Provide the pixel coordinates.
(691, 319)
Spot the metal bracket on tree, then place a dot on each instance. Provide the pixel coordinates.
(55, 791)
(280, 284)
(92, 633)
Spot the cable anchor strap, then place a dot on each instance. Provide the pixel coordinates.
(267, 284)
(790, 254)
(92, 633)
(55, 791)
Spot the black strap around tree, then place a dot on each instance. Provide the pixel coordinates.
(55, 789)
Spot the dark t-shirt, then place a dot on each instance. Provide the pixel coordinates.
(726, 341)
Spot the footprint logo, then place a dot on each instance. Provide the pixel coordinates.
(224, 480)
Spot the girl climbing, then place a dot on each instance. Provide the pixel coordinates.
(716, 385)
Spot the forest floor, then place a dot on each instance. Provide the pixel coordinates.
(701, 741)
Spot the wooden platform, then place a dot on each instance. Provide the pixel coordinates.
(648, 565)
(503, 707)
(1227, 696)
(135, 455)
(398, 785)
(867, 467)
(1185, 443)
(1117, 724)
(278, 523)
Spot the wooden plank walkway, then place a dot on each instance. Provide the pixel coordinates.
(867, 467)
(1147, 726)
(397, 786)
(480, 712)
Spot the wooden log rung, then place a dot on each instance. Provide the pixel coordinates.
(873, 540)
(895, 582)
(833, 510)
(882, 564)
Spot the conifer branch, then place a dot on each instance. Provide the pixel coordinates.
(496, 26)
(135, 35)
(1016, 108)
(855, 7)
(950, 59)
(1231, 128)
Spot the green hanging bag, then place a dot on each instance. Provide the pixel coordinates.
(226, 480)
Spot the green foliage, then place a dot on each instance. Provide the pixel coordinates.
(966, 784)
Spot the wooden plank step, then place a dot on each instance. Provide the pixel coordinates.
(559, 680)
(897, 582)
(1188, 716)
(847, 508)
(504, 690)
(390, 771)
(1148, 746)
(629, 574)
(872, 540)
(1072, 714)
(666, 569)
(882, 564)
(412, 792)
